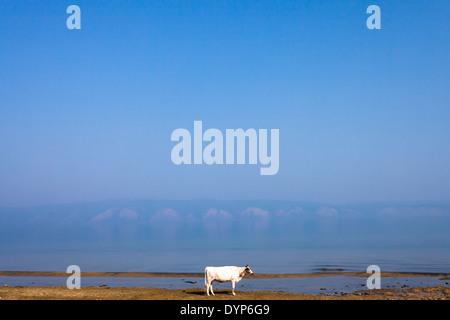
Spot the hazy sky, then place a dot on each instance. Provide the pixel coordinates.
(88, 114)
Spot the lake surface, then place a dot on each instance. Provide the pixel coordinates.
(294, 260)
(302, 260)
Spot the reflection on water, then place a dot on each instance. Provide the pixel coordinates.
(295, 260)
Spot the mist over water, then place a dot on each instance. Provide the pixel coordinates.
(186, 236)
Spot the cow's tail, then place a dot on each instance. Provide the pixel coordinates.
(206, 278)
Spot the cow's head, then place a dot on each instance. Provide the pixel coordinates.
(248, 270)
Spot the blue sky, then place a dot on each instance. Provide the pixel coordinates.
(87, 114)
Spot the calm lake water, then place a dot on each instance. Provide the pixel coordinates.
(302, 260)
(261, 261)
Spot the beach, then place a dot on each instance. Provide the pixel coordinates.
(105, 292)
(139, 293)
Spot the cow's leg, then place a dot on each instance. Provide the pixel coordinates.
(207, 288)
(233, 283)
(210, 287)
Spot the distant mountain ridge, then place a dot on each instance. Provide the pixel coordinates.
(213, 220)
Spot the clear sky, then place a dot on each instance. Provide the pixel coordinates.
(87, 114)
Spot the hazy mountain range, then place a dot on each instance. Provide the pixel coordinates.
(213, 222)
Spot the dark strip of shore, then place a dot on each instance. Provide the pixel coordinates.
(443, 276)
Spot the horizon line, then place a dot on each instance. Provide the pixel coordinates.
(324, 203)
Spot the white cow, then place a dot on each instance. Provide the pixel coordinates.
(223, 274)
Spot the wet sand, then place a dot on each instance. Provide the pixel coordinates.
(141, 293)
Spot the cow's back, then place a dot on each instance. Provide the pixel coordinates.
(222, 274)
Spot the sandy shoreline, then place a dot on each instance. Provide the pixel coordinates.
(442, 276)
(151, 293)
(140, 293)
